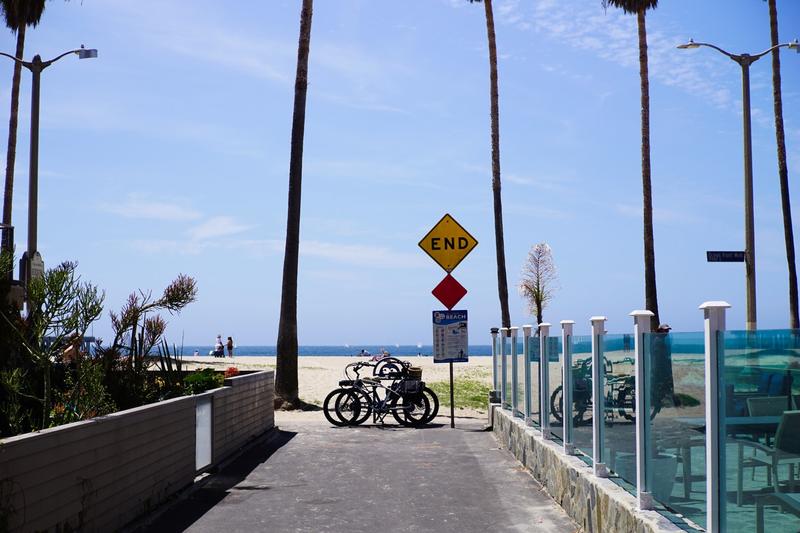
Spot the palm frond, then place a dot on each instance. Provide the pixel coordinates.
(631, 6)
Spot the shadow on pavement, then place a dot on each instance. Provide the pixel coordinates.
(179, 515)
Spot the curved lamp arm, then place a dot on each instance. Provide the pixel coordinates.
(793, 45)
(82, 53)
(14, 59)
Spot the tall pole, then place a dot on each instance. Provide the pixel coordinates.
(33, 188)
(744, 61)
(749, 226)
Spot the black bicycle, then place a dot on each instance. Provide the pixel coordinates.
(395, 387)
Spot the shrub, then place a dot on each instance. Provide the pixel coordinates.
(202, 380)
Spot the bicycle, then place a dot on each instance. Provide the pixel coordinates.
(620, 395)
(406, 397)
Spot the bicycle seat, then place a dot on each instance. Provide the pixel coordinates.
(346, 382)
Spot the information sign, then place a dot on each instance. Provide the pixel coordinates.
(450, 339)
(448, 243)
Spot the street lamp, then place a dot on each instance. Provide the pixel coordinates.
(31, 263)
(744, 61)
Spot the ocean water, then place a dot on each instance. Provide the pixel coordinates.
(353, 349)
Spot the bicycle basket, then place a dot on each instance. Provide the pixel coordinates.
(414, 372)
(411, 386)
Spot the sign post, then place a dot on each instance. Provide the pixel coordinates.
(450, 345)
(448, 243)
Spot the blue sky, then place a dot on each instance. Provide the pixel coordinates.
(169, 153)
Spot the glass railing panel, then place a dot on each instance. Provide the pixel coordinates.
(506, 371)
(582, 394)
(498, 363)
(760, 387)
(619, 415)
(555, 375)
(676, 446)
(534, 358)
(520, 380)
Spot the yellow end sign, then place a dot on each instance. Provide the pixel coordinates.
(448, 243)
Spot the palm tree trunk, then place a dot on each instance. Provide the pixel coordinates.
(11, 154)
(502, 280)
(783, 171)
(286, 388)
(650, 296)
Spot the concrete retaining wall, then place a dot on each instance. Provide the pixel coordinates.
(598, 505)
(99, 474)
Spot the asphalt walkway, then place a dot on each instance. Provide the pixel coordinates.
(311, 477)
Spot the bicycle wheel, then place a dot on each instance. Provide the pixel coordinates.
(433, 400)
(557, 403)
(626, 400)
(626, 404)
(333, 415)
(346, 403)
(410, 412)
(582, 407)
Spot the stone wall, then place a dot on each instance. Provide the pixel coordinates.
(100, 474)
(598, 505)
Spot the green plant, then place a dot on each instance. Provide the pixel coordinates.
(467, 393)
(171, 367)
(202, 380)
(61, 308)
(137, 331)
(84, 395)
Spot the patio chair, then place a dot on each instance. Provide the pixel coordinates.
(767, 406)
(786, 451)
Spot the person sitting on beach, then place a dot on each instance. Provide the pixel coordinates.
(365, 353)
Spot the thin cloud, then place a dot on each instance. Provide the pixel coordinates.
(611, 35)
(215, 227)
(141, 208)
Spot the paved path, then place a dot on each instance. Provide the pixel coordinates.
(312, 477)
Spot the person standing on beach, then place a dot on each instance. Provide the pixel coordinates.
(219, 348)
(229, 344)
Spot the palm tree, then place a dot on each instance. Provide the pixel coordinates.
(783, 171)
(639, 7)
(18, 15)
(502, 280)
(286, 389)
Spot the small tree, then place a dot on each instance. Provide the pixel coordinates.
(60, 307)
(137, 331)
(538, 279)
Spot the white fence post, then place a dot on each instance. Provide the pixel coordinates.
(493, 394)
(641, 325)
(566, 385)
(598, 398)
(714, 317)
(514, 372)
(526, 340)
(503, 392)
(544, 380)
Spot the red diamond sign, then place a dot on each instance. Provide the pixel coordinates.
(449, 291)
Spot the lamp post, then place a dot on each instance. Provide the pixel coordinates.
(31, 264)
(744, 61)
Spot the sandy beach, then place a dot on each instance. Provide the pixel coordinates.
(319, 375)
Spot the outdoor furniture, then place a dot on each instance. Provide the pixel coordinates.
(785, 502)
(786, 451)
